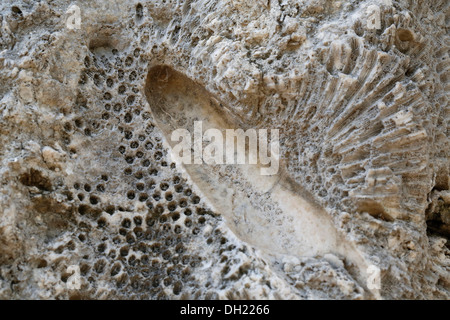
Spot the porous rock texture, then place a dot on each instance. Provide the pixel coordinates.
(87, 178)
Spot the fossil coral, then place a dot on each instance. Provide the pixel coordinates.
(94, 206)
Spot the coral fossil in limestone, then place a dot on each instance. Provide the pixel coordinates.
(87, 179)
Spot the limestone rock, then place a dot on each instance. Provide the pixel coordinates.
(94, 206)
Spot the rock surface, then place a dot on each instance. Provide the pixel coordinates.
(94, 206)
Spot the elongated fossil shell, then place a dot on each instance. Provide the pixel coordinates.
(272, 213)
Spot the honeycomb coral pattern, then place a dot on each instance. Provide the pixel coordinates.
(152, 252)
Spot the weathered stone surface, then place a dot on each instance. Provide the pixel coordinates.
(88, 184)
